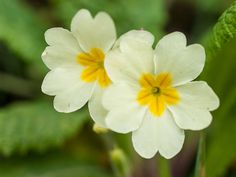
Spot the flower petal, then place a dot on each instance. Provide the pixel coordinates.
(125, 118)
(70, 101)
(98, 32)
(61, 37)
(142, 36)
(125, 114)
(60, 79)
(59, 56)
(132, 59)
(63, 48)
(169, 46)
(196, 100)
(190, 118)
(145, 139)
(118, 95)
(198, 94)
(183, 63)
(158, 134)
(96, 109)
(71, 92)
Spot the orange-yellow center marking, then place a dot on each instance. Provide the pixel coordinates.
(156, 92)
(93, 62)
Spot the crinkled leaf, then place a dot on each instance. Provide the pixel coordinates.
(36, 126)
(21, 28)
(223, 31)
(220, 74)
(59, 164)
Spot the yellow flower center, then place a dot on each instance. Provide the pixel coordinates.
(156, 92)
(94, 67)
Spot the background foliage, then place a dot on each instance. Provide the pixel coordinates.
(36, 141)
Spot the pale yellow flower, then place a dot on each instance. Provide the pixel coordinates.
(153, 93)
(76, 60)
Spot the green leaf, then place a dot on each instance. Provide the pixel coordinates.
(220, 72)
(223, 31)
(22, 30)
(221, 144)
(36, 126)
(55, 164)
(221, 149)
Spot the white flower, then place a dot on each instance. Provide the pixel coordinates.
(76, 59)
(153, 95)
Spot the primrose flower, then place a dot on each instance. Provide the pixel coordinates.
(76, 59)
(153, 95)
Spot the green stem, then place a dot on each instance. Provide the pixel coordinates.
(118, 158)
(164, 167)
(200, 170)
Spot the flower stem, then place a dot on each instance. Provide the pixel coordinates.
(164, 167)
(120, 162)
(118, 158)
(200, 164)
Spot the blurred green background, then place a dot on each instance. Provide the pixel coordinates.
(36, 141)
